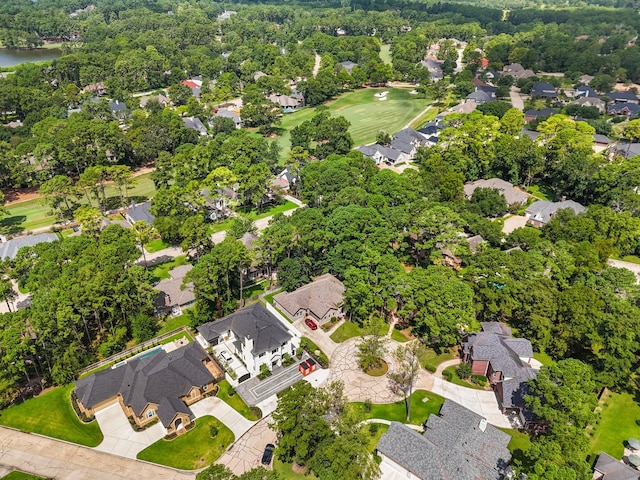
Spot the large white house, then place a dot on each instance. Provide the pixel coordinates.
(255, 335)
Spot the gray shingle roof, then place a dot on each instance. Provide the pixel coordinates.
(320, 296)
(480, 96)
(140, 212)
(228, 114)
(195, 123)
(543, 210)
(170, 289)
(10, 248)
(624, 97)
(254, 322)
(149, 380)
(453, 446)
(511, 194)
(613, 469)
(543, 89)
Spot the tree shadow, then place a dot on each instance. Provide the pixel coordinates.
(12, 225)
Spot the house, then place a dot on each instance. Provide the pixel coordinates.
(600, 142)
(226, 15)
(474, 243)
(254, 334)
(537, 114)
(517, 71)
(626, 150)
(456, 444)
(511, 194)
(10, 248)
(505, 361)
(586, 79)
(224, 113)
(622, 97)
(381, 154)
(532, 134)
(627, 109)
(585, 91)
(348, 66)
(285, 179)
(590, 102)
(258, 75)
(288, 103)
(156, 384)
(139, 212)
(539, 213)
(321, 299)
(98, 89)
(161, 99)
(118, 109)
(608, 468)
(194, 123)
(480, 97)
(195, 84)
(544, 90)
(434, 67)
(172, 298)
(402, 148)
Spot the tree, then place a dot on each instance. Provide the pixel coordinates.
(122, 176)
(58, 192)
(372, 345)
(383, 138)
(488, 202)
(144, 233)
(90, 218)
(407, 369)
(196, 236)
(7, 292)
(215, 472)
(292, 273)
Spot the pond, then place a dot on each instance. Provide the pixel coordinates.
(11, 58)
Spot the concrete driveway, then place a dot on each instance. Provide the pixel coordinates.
(512, 223)
(516, 98)
(246, 452)
(217, 408)
(119, 437)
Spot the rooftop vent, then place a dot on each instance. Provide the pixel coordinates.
(483, 424)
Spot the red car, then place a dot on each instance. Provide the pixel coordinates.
(311, 324)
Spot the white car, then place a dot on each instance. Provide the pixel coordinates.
(224, 355)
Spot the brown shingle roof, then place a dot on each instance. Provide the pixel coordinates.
(320, 296)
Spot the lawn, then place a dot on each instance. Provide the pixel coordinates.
(171, 323)
(425, 118)
(519, 444)
(156, 245)
(397, 412)
(234, 401)
(351, 329)
(285, 472)
(32, 214)
(161, 270)
(540, 192)
(17, 475)
(398, 336)
(366, 113)
(450, 375)
(269, 297)
(255, 289)
(543, 358)
(618, 423)
(385, 53)
(51, 414)
(253, 215)
(192, 450)
(431, 359)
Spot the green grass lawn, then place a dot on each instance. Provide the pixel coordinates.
(269, 297)
(161, 270)
(285, 472)
(431, 359)
(17, 475)
(156, 245)
(255, 289)
(171, 323)
(617, 424)
(425, 118)
(220, 226)
(450, 375)
(192, 450)
(398, 336)
(540, 192)
(385, 53)
(234, 401)
(254, 215)
(519, 444)
(51, 414)
(397, 412)
(366, 113)
(351, 329)
(543, 358)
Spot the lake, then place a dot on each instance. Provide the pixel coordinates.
(11, 58)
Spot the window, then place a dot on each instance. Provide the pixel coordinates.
(261, 355)
(150, 413)
(205, 387)
(275, 350)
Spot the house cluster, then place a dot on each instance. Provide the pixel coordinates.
(402, 148)
(506, 362)
(321, 300)
(456, 444)
(157, 384)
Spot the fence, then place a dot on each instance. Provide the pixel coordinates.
(135, 349)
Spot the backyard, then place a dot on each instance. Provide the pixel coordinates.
(619, 422)
(366, 113)
(52, 415)
(423, 404)
(192, 450)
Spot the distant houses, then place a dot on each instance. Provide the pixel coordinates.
(194, 123)
(402, 148)
(541, 212)
(348, 66)
(288, 103)
(623, 103)
(172, 299)
(544, 90)
(517, 71)
(434, 67)
(224, 113)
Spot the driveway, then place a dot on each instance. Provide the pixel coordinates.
(254, 390)
(49, 458)
(516, 98)
(319, 337)
(120, 438)
(223, 412)
(246, 452)
(512, 223)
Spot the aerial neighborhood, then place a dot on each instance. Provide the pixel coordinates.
(324, 241)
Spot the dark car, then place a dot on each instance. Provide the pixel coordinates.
(311, 324)
(268, 454)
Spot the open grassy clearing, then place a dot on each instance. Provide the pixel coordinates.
(423, 404)
(425, 118)
(234, 401)
(192, 450)
(431, 359)
(351, 329)
(156, 245)
(385, 53)
(272, 210)
(171, 323)
(34, 213)
(366, 113)
(618, 423)
(52, 415)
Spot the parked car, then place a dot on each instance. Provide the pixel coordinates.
(311, 324)
(224, 355)
(268, 454)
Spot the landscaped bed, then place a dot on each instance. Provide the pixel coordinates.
(397, 412)
(235, 401)
(450, 375)
(192, 450)
(51, 414)
(378, 370)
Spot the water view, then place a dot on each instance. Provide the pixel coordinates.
(11, 58)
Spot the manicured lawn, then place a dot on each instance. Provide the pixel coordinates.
(171, 323)
(272, 210)
(192, 450)
(285, 472)
(255, 289)
(156, 245)
(218, 227)
(620, 413)
(631, 259)
(398, 336)
(425, 118)
(374, 439)
(450, 375)
(431, 359)
(51, 414)
(519, 444)
(269, 297)
(385, 53)
(351, 329)
(234, 401)
(397, 412)
(161, 270)
(366, 113)
(543, 358)
(540, 192)
(17, 475)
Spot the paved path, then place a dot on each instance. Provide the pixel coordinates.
(246, 452)
(415, 119)
(50, 458)
(316, 64)
(516, 98)
(222, 411)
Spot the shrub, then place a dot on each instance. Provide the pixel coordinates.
(287, 360)
(264, 372)
(367, 406)
(464, 370)
(213, 431)
(479, 380)
(373, 429)
(257, 412)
